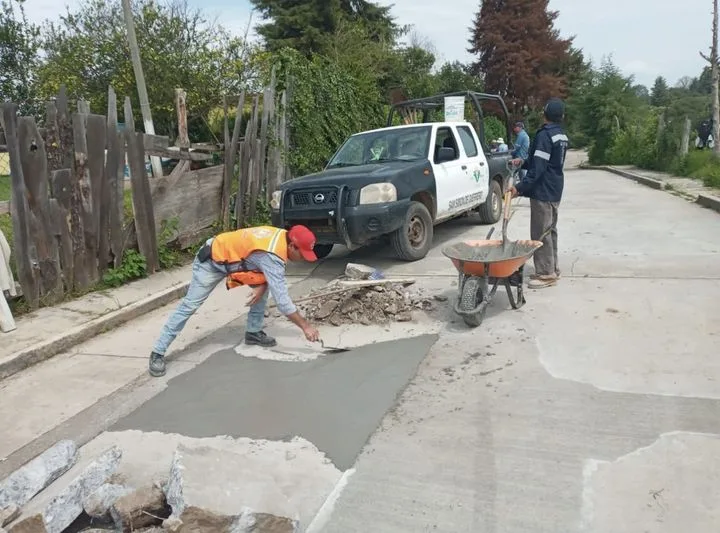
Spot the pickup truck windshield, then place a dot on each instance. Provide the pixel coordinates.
(392, 144)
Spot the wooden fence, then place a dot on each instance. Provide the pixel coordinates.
(68, 185)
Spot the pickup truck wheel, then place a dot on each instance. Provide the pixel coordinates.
(491, 210)
(323, 250)
(413, 240)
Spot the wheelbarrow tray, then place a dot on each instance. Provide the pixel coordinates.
(471, 257)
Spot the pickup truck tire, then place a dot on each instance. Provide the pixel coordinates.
(323, 250)
(491, 211)
(414, 238)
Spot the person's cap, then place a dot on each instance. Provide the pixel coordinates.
(520, 124)
(500, 140)
(304, 240)
(554, 110)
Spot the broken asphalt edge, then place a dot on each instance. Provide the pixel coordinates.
(46, 349)
(704, 200)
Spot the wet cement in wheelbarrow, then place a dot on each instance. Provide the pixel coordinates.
(489, 253)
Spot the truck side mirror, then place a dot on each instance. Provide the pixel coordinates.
(446, 154)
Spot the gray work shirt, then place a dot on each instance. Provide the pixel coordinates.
(273, 268)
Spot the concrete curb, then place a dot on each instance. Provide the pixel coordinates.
(46, 349)
(704, 200)
(711, 202)
(643, 180)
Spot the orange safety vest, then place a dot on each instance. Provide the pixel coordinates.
(231, 248)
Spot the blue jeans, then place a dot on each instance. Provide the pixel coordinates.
(205, 277)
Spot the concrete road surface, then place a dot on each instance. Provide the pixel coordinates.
(595, 408)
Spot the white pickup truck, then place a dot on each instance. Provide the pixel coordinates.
(399, 182)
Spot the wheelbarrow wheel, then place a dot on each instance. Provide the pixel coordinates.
(470, 297)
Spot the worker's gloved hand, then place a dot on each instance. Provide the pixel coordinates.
(311, 334)
(513, 191)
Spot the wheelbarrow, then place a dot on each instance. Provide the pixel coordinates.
(485, 264)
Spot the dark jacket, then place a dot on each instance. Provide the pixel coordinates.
(545, 180)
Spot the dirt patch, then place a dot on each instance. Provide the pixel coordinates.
(378, 304)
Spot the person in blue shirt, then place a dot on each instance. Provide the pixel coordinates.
(543, 184)
(522, 146)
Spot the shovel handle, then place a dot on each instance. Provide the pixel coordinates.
(507, 204)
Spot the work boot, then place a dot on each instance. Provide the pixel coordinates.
(157, 365)
(259, 338)
(542, 282)
(537, 276)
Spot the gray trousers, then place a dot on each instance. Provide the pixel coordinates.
(543, 227)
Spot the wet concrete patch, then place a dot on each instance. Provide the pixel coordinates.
(335, 402)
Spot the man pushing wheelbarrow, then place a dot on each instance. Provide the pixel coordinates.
(543, 184)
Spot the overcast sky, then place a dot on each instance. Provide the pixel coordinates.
(646, 38)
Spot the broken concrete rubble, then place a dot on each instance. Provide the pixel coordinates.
(144, 507)
(356, 271)
(98, 503)
(52, 514)
(20, 487)
(240, 499)
(379, 304)
(8, 514)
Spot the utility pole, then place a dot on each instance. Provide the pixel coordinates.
(713, 60)
(140, 81)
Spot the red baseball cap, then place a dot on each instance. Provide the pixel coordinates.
(304, 239)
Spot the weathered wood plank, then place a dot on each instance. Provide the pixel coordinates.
(83, 106)
(65, 129)
(20, 211)
(255, 176)
(282, 137)
(61, 184)
(79, 204)
(113, 214)
(192, 198)
(230, 159)
(178, 154)
(155, 142)
(34, 165)
(183, 140)
(96, 140)
(141, 195)
(52, 138)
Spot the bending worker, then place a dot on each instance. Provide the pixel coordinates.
(543, 184)
(255, 257)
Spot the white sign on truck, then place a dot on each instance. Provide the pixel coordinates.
(454, 109)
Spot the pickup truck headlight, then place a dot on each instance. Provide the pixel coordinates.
(276, 199)
(378, 193)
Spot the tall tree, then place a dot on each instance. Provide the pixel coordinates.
(19, 44)
(660, 93)
(715, 69)
(519, 52)
(305, 24)
(703, 83)
(87, 50)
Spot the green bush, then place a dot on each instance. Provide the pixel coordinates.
(699, 164)
(494, 128)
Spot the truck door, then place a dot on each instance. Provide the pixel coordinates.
(451, 180)
(477, 170)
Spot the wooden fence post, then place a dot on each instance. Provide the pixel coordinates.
(141, 195)
(20, 210)
(685, 142)
(96, 142)
(62, 186)
(33, 159)
(115, 184)
(231, 150)
(78, 218)
(181, 105)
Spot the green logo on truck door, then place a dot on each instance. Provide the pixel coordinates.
(477, 175)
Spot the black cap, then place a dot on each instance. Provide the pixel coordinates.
(554, 110)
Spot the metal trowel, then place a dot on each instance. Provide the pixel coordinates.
(332, 349)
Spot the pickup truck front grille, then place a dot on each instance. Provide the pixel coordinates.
(319, 198)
